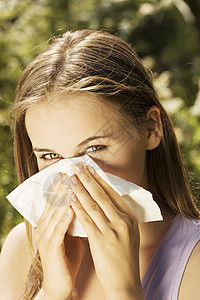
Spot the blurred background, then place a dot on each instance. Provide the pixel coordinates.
(165, 34)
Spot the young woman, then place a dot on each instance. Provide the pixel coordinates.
(88, 92)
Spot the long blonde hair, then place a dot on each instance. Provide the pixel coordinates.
(103, 64)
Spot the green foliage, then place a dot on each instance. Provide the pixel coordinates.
(164, 36)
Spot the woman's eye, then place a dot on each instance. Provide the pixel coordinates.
(97, 148)
(50, 156)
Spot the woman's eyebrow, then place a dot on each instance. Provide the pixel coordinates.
(94, 138)
(36, 149)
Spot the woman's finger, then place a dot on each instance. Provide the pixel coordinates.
(55, 196)
(91, 207)
(107, 198)
(56, 225)
(95, 201)
(54, 212)
(62, 226)
(91, 227)
(48, 205)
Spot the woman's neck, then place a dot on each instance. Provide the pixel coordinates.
(151, 233)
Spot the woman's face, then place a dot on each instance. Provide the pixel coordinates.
(74, 126)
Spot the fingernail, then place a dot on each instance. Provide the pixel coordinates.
(72, 197)
(91, 170)
(79, 168)
(74, 179)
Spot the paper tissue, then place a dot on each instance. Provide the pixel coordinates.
(29, 198)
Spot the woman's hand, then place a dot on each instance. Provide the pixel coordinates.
(59, 252)
(113, 235)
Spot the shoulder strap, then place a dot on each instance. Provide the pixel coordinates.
(163, 277)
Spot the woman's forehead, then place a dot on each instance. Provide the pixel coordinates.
(76, 120)
(81, 107)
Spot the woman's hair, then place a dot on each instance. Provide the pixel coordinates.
(104, 65)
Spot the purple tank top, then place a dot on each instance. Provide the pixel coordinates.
(163, 276)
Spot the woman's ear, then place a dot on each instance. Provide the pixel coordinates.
(154, 128)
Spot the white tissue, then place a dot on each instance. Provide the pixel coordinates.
(29, 198)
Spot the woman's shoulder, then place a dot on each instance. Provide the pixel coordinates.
(15, 262)
(191, 227)
(16, 239)
(186, 227)
(19, 230)
(189, 288)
